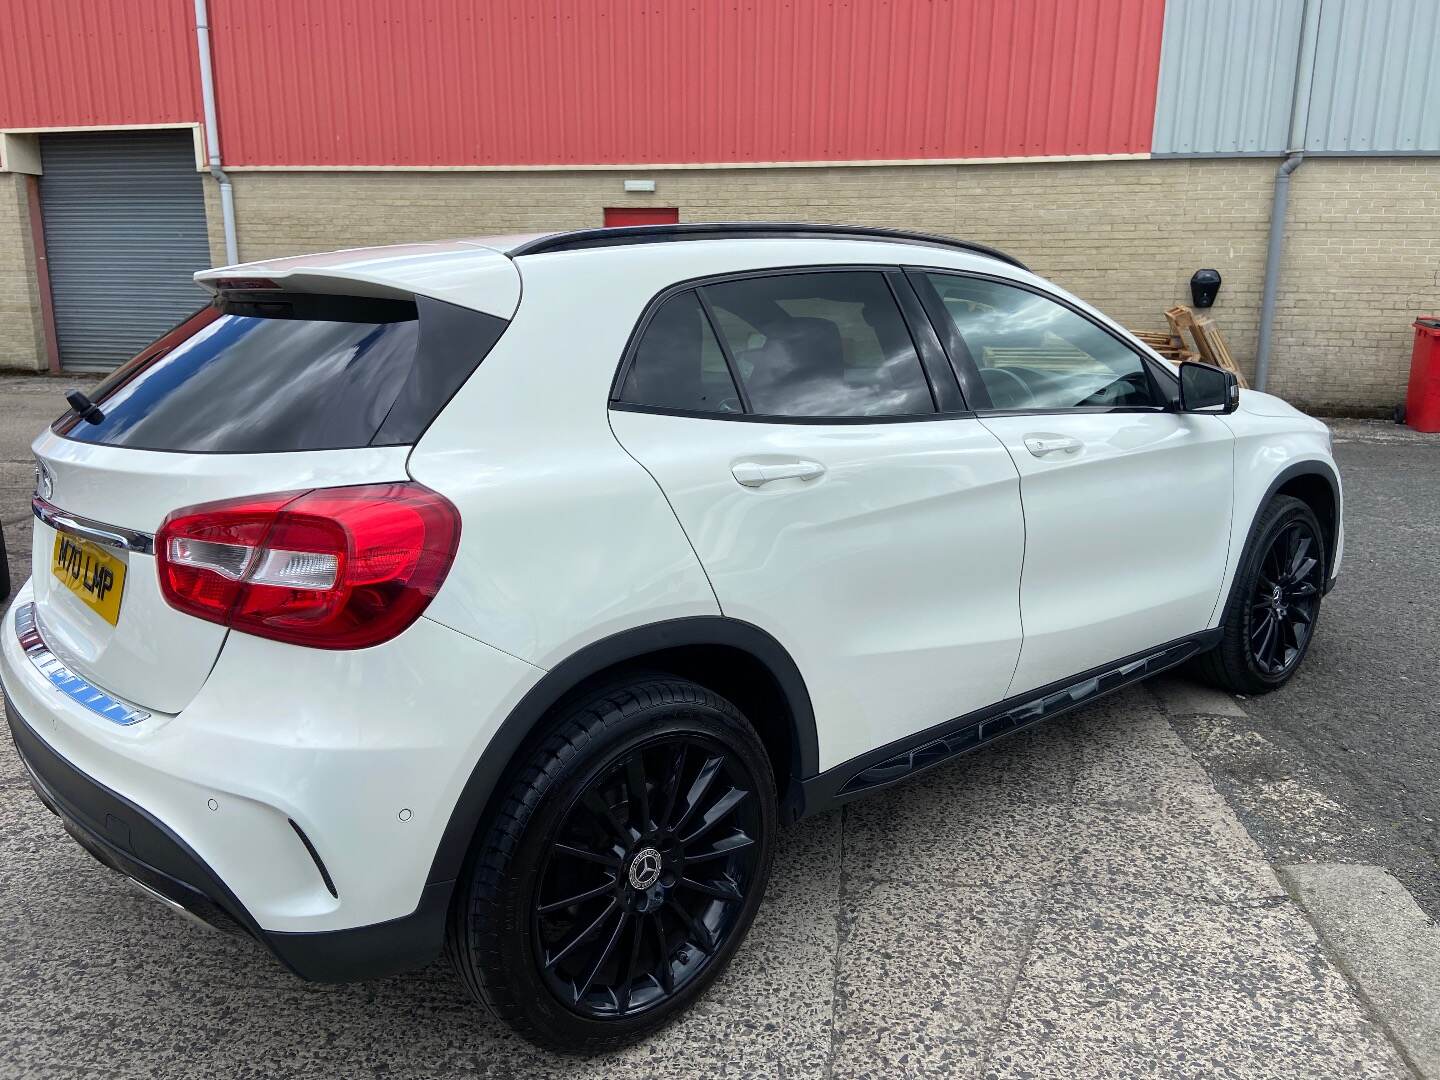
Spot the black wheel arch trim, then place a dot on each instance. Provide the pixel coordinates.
(525, 718)
(1309, 467)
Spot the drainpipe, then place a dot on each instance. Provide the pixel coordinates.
(1273, 252)
(212, 133)
(1294, 156)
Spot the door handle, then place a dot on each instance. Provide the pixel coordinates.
(1040, 445)
(753, 474)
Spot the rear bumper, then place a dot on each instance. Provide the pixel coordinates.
(300, 797)
(133, 842)
(122, 835)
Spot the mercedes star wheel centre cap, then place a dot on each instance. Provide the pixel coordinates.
(645, 869)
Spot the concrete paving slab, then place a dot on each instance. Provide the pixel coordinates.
(1129, 756)
(926, 833)
(1126, 806)
(1120, 985)
(1196, 849)
(1387, 946)
(924, 973)
(1179, 695)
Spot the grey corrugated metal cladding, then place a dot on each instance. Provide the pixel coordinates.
(1376, 89)
(1227, 68)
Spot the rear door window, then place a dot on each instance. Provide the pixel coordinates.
(829, 344)
(295, 372)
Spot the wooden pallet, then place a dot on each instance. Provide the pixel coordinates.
(1209, 342)
(1158, 339)
(1219, 349)
(1171, 346)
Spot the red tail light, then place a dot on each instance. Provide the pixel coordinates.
(334, 568)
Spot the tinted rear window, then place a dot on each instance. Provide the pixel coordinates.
(296, 374)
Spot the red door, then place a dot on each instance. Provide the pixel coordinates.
(624, 215)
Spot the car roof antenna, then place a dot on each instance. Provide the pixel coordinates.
(86, 409)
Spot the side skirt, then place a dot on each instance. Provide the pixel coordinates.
(924, 750)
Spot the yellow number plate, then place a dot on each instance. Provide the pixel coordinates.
(91, 573)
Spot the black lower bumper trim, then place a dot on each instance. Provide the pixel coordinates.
(133, 842)
(369, 952)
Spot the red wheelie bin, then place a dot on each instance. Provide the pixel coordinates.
(1422, 400)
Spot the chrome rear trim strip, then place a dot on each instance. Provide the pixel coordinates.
(177, 908)
(110, 535)
(27, 629)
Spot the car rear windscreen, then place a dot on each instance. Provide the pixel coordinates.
(294, 372)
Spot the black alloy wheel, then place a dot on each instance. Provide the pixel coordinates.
(1274, 604)
(647, 877)
(620, 868)
(1285, 599)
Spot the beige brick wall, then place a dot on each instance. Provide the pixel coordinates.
(1363, 256)
(1124, 235)
(1362, 259)
(21, 340)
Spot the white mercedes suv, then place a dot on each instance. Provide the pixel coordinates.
(505, 596)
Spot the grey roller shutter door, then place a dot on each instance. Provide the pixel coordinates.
(124, 216)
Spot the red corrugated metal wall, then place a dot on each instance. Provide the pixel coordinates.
(73, 63)
(557, 82)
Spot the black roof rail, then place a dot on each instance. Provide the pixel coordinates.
(620, 236)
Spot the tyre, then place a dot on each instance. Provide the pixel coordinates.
(4, 570)
(1274, 603)
(621, 869)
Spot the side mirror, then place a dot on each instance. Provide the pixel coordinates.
(1206, 388)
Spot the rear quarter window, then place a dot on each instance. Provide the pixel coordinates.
(294, 373)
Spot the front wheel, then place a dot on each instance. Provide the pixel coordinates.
(1274, 604)
(622, 869)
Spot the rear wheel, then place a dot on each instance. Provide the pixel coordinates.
(622, 869)
(1274, 604)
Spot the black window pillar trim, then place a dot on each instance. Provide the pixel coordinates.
(944, 386)
(725, 350)
(957, 354)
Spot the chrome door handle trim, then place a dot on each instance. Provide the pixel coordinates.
(1040, 445)
(753, 474)
(110, 535)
